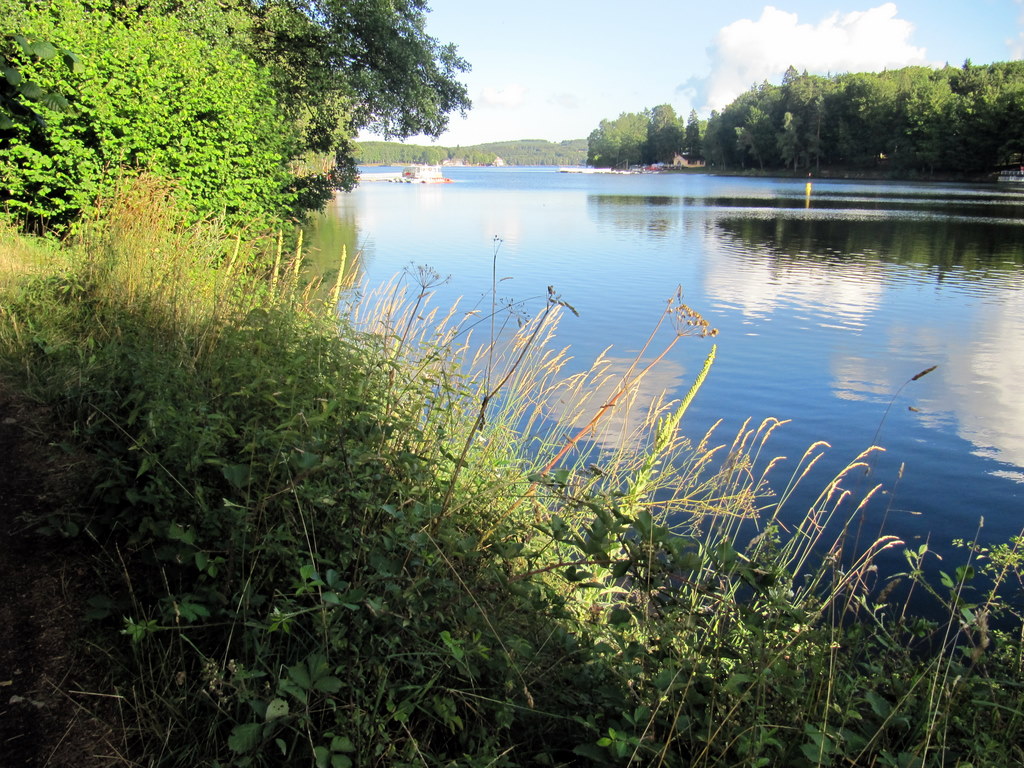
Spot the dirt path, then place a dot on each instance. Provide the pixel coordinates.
(43, 721)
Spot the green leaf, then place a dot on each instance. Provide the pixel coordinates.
(43, 50)
(55, 101)
(12, 76)
(737, 681)
(327, 684)
(73, 62)
(591, 751)
(813, 753)
(30, 91)
(305, 460)
(23, 43)
(276, 708)
(879, 705)
(342, 744)
(299, 675)
(236, 474)
(245, 738)
(574, 573)
(619, 615)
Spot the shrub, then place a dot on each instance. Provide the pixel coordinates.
(146, 94)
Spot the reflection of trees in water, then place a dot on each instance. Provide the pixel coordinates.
(981, 247)
(326, 234)
(653, 215)
(976, 234)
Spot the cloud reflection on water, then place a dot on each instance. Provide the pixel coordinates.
(976, 343)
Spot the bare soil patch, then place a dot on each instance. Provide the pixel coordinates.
(46, 716)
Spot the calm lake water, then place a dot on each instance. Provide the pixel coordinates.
(826, 304)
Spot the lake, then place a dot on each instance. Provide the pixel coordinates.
(827, 301)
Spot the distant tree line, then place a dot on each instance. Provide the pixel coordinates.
(913, 121)
(965, 120)
(653, 136)
(524, 152)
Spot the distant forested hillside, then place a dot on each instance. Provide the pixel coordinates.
(524, 152)
(915, 121)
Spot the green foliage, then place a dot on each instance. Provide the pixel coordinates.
(327, 546)
(526, 152)
(619, 143)
(914, 120)
(219, 97)
(148, 95)
(654, 136)
(340, 67)
(19, 93)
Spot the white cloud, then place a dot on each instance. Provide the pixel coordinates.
(507, 97)
(747, 52)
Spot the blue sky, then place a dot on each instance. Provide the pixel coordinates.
(553, 70)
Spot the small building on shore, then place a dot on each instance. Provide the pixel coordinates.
(685, 161)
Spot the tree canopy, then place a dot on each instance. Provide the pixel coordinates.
(653, 136)
(221, 96)
(915, 121)
(965, 120)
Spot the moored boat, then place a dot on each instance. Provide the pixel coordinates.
(423, 174)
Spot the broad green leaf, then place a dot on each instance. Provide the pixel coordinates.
(619, 615)
(43, 50)
(276, 708)
(12, 76)
(591, 751)
(236, 474)
(73, 62)
(328, 684)
(299, 675)
(879, 705)
(737, 681)
(342, 744)
(244, 738)
(30, 91)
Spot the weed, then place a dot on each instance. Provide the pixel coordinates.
(371, 540)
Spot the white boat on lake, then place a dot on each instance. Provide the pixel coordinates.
(423, 174)
(413, 174)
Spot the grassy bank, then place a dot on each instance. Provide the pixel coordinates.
(323, 540)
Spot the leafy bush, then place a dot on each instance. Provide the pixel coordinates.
(148, 94)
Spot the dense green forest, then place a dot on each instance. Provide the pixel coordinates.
(524, 152)
(223, 96)
(653, 136)
(965, 120)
